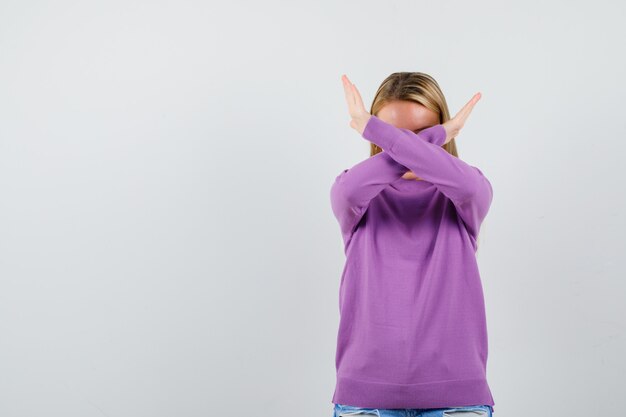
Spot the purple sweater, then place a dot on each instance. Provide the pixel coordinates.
(412, 330)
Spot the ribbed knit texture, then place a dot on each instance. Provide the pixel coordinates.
(412, 331)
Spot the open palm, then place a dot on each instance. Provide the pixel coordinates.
(359, 116)
(454, 125)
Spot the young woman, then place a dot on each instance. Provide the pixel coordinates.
(412, 338)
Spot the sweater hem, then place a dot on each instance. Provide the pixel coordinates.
(436, 394)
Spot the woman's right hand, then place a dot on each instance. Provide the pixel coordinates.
(454, 125)
(359, 115)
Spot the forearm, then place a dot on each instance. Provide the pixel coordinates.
(354, 188)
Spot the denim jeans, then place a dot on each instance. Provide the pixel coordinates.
(342, 410)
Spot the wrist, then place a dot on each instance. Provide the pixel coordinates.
(361, 122)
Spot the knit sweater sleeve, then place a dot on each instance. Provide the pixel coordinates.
(465, 185)
(355, 187)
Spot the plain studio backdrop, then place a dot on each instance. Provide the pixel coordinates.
(167, 242)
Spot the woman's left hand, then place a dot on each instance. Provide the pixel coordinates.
(454, 125)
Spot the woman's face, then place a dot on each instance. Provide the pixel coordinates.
(408, 115)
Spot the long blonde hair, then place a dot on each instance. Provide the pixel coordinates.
(417, 87)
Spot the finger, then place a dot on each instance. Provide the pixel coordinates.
(465, 111)
(352, 95)
(358, 99)
(349, 94)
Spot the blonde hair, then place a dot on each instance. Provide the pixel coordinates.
(419, 88)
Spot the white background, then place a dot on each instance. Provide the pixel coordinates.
(167, 246)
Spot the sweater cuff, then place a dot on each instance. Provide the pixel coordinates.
(385, 135)
(378, 132)
(439, 133)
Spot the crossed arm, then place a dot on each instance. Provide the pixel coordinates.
(403, 150)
